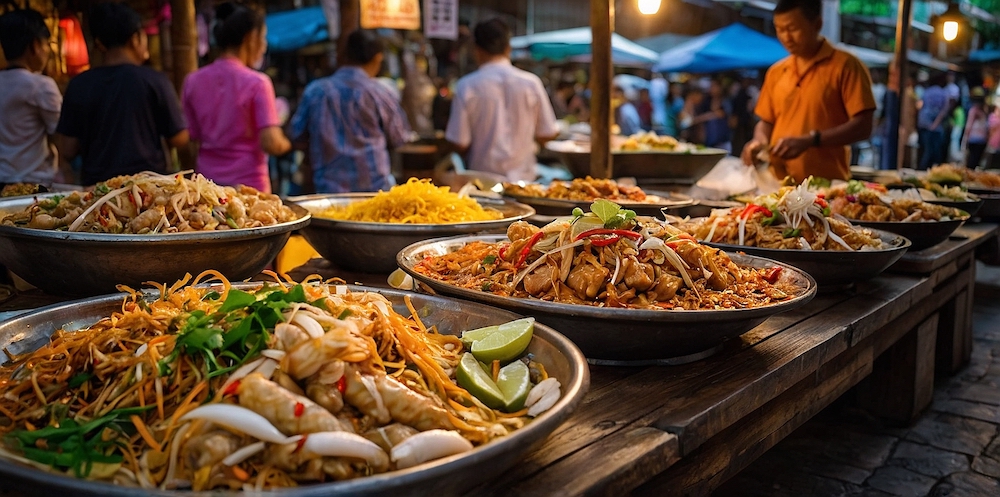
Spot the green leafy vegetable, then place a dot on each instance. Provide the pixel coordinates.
(101, 189)
(773, 219)
(854, 186)
(489, 259)
(345, 314)
(790, 233)
(71, 445)
(815, 182)
(611, 214)
(79, 379)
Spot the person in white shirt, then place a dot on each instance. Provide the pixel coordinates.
(29, 102)
(500, 111)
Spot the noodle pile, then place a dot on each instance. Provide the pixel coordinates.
(581, 189)
(153, 203)
(216, 388)
(613, 261)
(417, 201)
(871, 202)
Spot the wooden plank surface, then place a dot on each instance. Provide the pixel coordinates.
(964, 239)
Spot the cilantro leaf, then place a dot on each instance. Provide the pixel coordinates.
(236, 299)
(605, 209)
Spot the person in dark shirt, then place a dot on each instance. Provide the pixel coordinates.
(117, 115)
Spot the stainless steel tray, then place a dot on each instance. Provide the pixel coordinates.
(449, 476)
(623, 336)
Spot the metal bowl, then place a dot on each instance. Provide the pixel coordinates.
(701, 208)
(686, 167)
(834, 268)
(971, 206)
(372, 247)
(922, 234)
(448, 476)
(562, 207)
(623, 336)
(81, 264)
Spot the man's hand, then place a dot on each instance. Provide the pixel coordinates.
(791, 147)
(750, 151)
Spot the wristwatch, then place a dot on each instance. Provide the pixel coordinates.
(815, 136)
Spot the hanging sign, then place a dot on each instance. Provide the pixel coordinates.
(393, 14)
(441, 19)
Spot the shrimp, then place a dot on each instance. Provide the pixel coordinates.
(289, 413)
(390, 436)
(384, 399)
(306, 358)
(321, 387)
(209, 448)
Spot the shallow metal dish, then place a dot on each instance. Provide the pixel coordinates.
(561, 207)
(372, 247)
(922, 234)
(81, 264)
(623, 336)
(449, 476)
(972, 206)
(701, 208)
(662, 165)
(833, 268)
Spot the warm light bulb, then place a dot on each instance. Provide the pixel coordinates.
(649, 7)
(950, 30)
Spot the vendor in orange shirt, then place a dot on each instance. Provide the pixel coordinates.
(814, 103)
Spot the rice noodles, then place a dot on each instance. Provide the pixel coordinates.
(417, 201)
(216, 388)
(149, 203)
(617, 262)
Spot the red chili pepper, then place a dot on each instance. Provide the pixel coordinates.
(821, 202)
(527, 248)
(232, 388)
(300, 408)
(604, 231)
(300, 443)
(752, 208)
(223, 200)
(821, 195)
(342, 384)
(503, 250)
(771, 275)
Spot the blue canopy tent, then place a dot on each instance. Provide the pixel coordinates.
(985, 55)
(294, 29)
(732, 47)
(574, 44)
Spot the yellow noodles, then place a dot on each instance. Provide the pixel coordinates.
(417, 201)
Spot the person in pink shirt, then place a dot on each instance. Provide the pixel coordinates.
(230, 106)
(993, 142)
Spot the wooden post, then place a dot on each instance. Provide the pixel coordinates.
(902, 69)
(602, 24)
(350, 20)
(184, 40)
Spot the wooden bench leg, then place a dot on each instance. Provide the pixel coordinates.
(902, 381)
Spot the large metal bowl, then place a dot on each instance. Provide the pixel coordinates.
(970, 206)
(922, 234)
(834, 268)
(449, 476)
(81, 264)
(684, 167)
(624, 336)
(372, 247)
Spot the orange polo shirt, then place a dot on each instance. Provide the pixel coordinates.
(822, 93)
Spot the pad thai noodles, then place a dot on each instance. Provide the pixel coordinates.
(791, 218)
(871, 202)
(608, 258)
(953, 174)
(204, 387)
(153, 203)
(417, 201)
(582, 189)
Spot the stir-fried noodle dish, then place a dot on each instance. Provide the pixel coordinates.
(417, 201)
(582, 189)
(871, 202)
(609, 258)
(216, 388)
(791, 218)
(153, 203)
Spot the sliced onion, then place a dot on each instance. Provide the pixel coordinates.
(427, 446)
(344, 444)
(242, 454)
(273, 354)
(240, 419)
(243, 371)
(310, 325)
(267, 368)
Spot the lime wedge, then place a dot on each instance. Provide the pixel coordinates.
(507, 343)
(473, 378)
(400, 280)
(514, 382)
(477, 334)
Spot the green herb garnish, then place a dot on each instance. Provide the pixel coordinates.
(611, 214)
(790, 233)
(489, 259)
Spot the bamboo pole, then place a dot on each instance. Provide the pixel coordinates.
(902, 67)
(602, 24)
(184, 41)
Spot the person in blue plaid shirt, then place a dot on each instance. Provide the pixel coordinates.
(349, 121)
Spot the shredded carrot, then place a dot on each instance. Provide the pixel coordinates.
(496, 370)
(140, 427)
(240, 473)
(516, 414)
